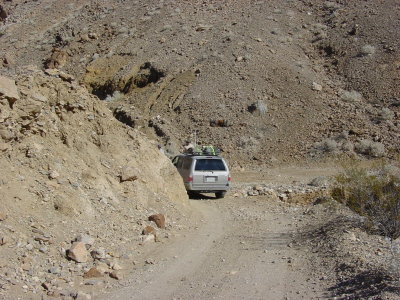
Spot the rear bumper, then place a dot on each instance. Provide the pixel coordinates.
(205, 188)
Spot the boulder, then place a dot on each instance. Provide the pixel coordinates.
(159, 219)
(8, 90)
(78, 252)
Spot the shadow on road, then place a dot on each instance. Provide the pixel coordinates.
(199, 196)
(364, 285)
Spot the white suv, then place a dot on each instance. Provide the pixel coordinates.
(203, 174)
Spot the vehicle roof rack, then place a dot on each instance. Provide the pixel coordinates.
(206, 150)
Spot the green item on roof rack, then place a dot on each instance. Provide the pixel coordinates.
(206, 150)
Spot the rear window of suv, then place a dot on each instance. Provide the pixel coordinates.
(209, 165)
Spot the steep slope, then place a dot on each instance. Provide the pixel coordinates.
(69, 168)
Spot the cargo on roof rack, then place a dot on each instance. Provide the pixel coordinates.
(205, 150)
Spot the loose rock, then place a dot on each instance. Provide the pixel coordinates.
(92, 273)
(78, 252)
(159, 219)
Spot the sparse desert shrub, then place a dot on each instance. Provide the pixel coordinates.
(347, 146)
(386, 114)
(367, 50)
(117, 95)
(247, 142)
(351, 96)
(374, 194)
(259, 106)
(370, 148)
(327, 145)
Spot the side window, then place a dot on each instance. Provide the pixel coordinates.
(187, 163)
(179, 162)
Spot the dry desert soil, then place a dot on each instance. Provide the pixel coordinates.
(291, 91)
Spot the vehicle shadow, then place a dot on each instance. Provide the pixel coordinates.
(200, 196)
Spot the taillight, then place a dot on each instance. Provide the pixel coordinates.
(229, 178)
(190, 179)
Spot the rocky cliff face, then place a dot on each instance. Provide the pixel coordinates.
(68, 168)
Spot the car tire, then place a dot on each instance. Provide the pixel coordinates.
(220, 195)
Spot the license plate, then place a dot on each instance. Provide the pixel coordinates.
(211, 179)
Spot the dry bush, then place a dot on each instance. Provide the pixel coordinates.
(117, 95)
(258, 106)
(370, 148)
(351, 96)
(373, 193)
(327, 145)
(367, 50)
(385, 114)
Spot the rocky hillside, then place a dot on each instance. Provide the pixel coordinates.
(72, 173)
(268, 82)
(88, 89)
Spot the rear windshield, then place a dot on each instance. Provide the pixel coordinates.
(209, 165)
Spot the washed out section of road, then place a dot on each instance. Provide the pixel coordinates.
(242, 249)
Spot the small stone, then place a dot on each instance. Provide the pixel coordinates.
(3, 240)
(82, 296)
(316, 87)
(159, 219)
(92, 273)
(54, 174)
(116, 275)
(55, 270)
(149, 230)
(258, 188)
(43, 249)
(3, 216)
(66, 77)
(239, 58)
(46, 285)
(78, 252)
(129, 174)
(99, 253)
(116, 266)
(148, 238)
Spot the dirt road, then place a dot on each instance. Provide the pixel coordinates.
(241, 248)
